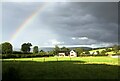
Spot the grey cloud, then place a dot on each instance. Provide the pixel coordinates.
(97, 21)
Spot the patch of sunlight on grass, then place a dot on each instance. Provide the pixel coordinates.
(100, 59)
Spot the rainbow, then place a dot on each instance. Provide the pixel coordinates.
(27, 21)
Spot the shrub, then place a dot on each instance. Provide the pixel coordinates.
(17, 52)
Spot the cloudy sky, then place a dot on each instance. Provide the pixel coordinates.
(92, 24)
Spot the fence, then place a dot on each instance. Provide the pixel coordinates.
(43, 59)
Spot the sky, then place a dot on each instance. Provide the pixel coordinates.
(91, 24)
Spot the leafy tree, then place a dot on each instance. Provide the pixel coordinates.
(97, 52)
(42, 52)
(0, 48)
(56, 50)
(65, 49)
(25, 48)
(115, 48)
(35, 49)
(51, 52)
(108, 49)
(7, 48)
(103, 52)
(87, 52)
(118, 47)
(79, 51)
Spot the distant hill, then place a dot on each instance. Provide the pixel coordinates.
(85, 48)
(46, 48)
(51, 48)
(16, 49)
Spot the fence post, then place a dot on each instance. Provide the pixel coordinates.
(70, 58)
(44, 59)
(57, 58)
(14, 59)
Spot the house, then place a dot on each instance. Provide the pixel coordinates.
(63, 53)
(71, 53)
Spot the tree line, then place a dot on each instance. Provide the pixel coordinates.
(6, 49)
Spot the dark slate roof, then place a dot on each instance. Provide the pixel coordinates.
(63, 51)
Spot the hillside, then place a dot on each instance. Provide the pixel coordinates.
(101, 49)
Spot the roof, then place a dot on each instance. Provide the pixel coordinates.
(73, 50)
(63, 51)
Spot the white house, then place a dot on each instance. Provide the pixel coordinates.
(73, 53)
(61, 54)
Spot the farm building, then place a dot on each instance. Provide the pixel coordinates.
(71, 53)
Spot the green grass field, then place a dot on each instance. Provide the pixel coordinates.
(100, 50)
(64, 67)
(98, 60)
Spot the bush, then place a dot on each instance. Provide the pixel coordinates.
(87, 52)
(17, 52)
(30, 55)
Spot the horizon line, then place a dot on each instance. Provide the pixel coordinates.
(68, 46)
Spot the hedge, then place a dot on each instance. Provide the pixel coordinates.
(24, 55)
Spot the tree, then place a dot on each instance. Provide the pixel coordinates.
(79, 51)
(25, 48)
(115, 48)
(35, 49)
(107, 49)
(0, 48)
(51, 52)
(103, 52)
(87, 52)
(65, 49)
(56, 49)
(7, 48)
(118, 47)
(97, 52)
(42, 52)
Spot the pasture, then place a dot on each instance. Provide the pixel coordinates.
(64, 67)
(100, 50)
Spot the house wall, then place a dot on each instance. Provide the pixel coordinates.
(73, 54)
(61, 54)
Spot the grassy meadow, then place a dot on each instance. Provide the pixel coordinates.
(98, 59)
(100, 50)
(64, 67)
